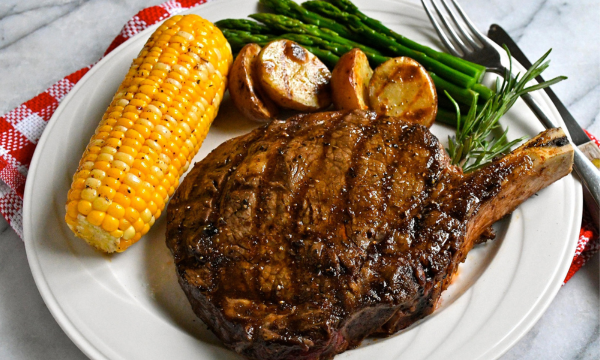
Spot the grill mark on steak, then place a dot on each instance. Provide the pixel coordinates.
(301, 192)
(260, 209)
(343, 207)
(274, 171)
(363, 198)
(302, 245)
(266, 289)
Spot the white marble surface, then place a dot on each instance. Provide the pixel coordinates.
(43, 40)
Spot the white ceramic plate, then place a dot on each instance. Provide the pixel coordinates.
(129, 306)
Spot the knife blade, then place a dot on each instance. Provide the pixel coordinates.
(578, 136)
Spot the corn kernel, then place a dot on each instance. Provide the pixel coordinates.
(117, 233)
(92, 183)
(102, 135)
(115, 173)
(89, 194)
(124, 157)
(97, 174)
(138, 203)
(170, 178)
(122, 199)
(84, 174)
(75, 194)
(116, 210)
(133, 181)
(151, 116)
(145, 215)
(138, 225)
(145, 193)
(117, 135)
(104, 128)
(108, 189)
(148, 90)
(96, 217)
(142, 130)
(152, 206)
(102, 165)
(71, 222)
(137, 102)
(159, 194)
(129, 233)
(125, 122)
(133, 143)
(72, 209)
(128, 150)
(131, 115)
(105, 157)
(131, 215)
(124, 224)
(124, 244)
(84, 207)
(110, 224)
(120, 165)
(126, 190)
(79, 184)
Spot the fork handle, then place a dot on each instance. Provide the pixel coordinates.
(588, 173)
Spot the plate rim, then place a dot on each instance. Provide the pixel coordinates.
(88, 347)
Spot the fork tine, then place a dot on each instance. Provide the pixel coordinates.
(450, 29)
(465, 34)
(470, 24)
(439, 31)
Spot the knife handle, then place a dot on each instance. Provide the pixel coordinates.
(588, 173)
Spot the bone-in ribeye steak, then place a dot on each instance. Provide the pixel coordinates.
(301, 238)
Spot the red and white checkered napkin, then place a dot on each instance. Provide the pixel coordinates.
(21, 128)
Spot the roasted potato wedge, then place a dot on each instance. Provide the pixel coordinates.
(350, 81)
(244, 87)
(293, 77)
(402, 87)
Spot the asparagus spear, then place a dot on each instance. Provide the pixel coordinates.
(294, 10)
(465, 66)
(484, 92)
(239, 38)
(366, 33)
(446, 116)
(384, 42)
(245, 25)
(282, 23)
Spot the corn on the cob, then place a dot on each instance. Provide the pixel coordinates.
(152, 129)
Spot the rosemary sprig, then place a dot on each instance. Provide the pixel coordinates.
(474, 146)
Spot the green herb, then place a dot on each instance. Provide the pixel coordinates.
(474, 146)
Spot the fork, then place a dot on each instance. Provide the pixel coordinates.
(460, 42)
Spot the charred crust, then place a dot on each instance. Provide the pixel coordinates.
(545, 142)
(303, 237)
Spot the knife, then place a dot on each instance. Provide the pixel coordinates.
(578, 136)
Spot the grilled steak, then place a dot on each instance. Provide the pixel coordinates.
(301, 238)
